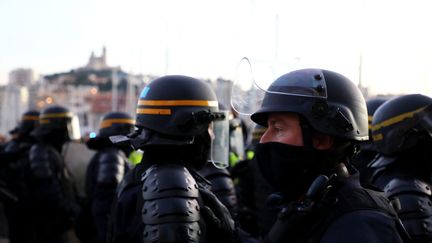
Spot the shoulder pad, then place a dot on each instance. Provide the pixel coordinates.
(170, 196)
(168, 180)
(112, 166)
(381, 161)
(407, 185)
(11, 146)
(40, 162)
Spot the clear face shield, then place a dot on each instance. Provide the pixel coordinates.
(219, 132)
(237, 142)
(73, 127)
(253, 81)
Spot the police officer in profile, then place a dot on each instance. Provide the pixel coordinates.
(164, 198)
(401, 131)
(14, 173)
(104, 172)
(314, 119)
(51, 190)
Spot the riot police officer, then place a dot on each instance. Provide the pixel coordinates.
(314, 119)
(14, 172)
(164, 199)
(104, 172)
(401, 132)
(51, 190)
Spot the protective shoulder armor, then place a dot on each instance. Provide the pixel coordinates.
(40, 162)
(412, 201)
(222, 185)
(112, 166)
(376, 167)
(171, 211)
(406, 185)
(382, 161)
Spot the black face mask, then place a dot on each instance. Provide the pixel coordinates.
(291, 169)
(198, 152)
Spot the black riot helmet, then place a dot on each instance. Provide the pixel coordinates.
(57, 121)
(115, 123)
(372, 105)
(29, 121)
(176, 108)
(330, 102)
(112, 124)
(401, 123)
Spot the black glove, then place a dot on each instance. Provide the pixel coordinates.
(297, 218)
(220, 225)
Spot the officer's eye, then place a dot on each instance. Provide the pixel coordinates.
(277, 129)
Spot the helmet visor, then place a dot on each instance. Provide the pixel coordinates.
(237, 142)
(254, 81)
(74, 131)
(219, 130)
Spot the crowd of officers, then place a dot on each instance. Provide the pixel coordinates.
(320, 165)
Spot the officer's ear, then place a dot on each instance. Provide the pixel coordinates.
(322, 141)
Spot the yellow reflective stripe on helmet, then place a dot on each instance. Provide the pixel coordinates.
(154, 111)
(44, 121)
(370, 118)
(56, 115)
(212, 103)
(377, 137)
(108, 122)
(396, 119)
(30, 118)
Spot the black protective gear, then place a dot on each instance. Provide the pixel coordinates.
(40, 162)
(104, 173)
(173, 117)
(413, 202)
(409, 193)
(112, 166)
(52, 194)
(29, 121)
(326, 208)
(176, 105)
(222, 186)
(125, 223)
(290, 169)
(218, 218)
(56, 126)
(329, 102)
(367, 150)
(397, 125)
(115, 123)
(326, 103)
(15, 171)
(170, 212)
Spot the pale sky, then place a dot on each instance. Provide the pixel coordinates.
(207, 39)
